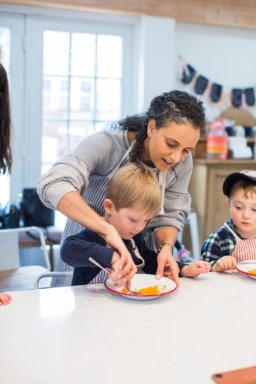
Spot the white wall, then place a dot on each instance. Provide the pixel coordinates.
(155, 55)
(226, 56)
(223, 55)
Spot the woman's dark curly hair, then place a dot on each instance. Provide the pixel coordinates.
(5, 124)
(174, 106)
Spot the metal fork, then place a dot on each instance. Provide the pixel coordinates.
(108, 271)
(92, 260)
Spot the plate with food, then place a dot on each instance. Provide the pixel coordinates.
(144, 287)
(248, 267)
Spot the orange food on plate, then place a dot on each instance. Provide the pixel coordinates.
(147, 291)
(252, 271)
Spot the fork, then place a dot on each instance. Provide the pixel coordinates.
(92, 260)
(108, 271)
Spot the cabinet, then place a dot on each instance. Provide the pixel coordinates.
(205, 187)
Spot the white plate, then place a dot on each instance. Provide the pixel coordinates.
(140, 281)
(246, 266)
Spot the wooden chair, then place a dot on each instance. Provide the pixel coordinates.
(13, 276)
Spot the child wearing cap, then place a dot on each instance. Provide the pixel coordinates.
(234, 241)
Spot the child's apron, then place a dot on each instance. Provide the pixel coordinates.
(245, 249)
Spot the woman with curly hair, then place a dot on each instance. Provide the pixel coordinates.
(162, 138)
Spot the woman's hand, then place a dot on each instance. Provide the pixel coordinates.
(224, 263)
(114, 241)
(122, 276)
(122, 263)
(167, 266)
(196, 269)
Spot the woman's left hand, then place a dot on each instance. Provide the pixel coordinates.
(167, 266)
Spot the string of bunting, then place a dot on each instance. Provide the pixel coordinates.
(238, 96)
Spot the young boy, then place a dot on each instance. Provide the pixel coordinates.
(132, 198)
(236, 239)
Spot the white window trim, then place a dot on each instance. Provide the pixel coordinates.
(152, 62)
(26, 119)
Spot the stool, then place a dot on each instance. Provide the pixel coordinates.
(193, 227)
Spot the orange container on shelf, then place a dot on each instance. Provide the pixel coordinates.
(217, 140)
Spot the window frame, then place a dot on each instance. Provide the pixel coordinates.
(15, 23)
(28, 26)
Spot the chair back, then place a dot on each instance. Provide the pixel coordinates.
(9, 246)
(13, 276)
(9, 254)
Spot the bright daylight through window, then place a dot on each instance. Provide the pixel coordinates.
(82, 76)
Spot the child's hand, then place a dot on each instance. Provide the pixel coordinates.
(196, 269)
(5, 298)
(116, 261)
(224, 263)
(121, 275)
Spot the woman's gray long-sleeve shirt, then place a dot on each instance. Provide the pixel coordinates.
(97, 157)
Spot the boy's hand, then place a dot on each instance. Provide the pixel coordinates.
(124, 269)
(121, 274)
(224, 263)
(196, 269)
(116, 261)
(114, 241)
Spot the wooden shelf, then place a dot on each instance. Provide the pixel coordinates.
(200, 151)
(227, 161)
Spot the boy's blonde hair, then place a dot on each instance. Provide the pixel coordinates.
(135, 186)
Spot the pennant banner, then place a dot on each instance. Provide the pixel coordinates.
(201, 84)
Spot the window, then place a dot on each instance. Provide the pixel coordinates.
(82, 73)
(71, 75)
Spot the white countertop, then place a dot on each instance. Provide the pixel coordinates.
(78, 335)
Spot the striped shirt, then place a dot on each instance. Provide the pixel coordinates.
(219, 243)
(245, 248)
